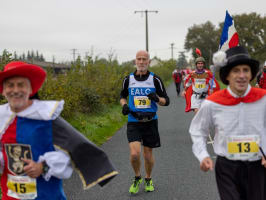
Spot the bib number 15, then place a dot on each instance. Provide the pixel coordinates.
(20, 188)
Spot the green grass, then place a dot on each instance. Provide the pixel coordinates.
(101, 126)
(222, 86)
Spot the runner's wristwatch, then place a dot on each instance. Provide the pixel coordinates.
(45, 168)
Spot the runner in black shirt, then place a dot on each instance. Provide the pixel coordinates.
(160, 90)
(145, 90)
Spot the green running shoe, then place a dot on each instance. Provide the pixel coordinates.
(148, 185)
(134, 188)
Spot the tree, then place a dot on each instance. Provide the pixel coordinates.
(204, 37)
(5, 58)
(111, 55)
(29, 56)
(37, 56)
(42, 58)
(23, 56)
(15, 56)
(32, 55)
(251, 29)
(181, 61)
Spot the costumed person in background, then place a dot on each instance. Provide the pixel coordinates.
(145, 90)
(185, 72)
(198, 85)
(261, 78)
(238, 117)
(38, 146)
(177, 77)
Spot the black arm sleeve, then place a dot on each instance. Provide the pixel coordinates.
(124, 91)
(160, 89)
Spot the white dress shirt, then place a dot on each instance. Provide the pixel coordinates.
(236, 120)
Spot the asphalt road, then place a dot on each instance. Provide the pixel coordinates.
(176, 173)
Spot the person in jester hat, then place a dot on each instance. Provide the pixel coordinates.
(145, 90)
(237, 115)
(198, 85)
(37, 145)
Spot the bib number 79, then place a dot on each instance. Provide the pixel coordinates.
(142, 102)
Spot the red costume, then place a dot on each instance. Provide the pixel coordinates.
(262, 82)
(207, 75)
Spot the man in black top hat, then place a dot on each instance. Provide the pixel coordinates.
(238, 117)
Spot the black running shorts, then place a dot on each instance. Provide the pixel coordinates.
(145, 132)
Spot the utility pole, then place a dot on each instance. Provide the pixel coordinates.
(172, 50)
(53, 60)
(146, 24)
(74, 54)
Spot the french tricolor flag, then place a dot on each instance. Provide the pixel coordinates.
(229, 36)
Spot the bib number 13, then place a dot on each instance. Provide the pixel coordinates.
(243, 147)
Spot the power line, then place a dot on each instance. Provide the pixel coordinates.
(146, 19)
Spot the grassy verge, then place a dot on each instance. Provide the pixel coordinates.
(222, 86)
(101, 126)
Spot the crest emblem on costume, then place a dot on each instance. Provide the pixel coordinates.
(15, 153)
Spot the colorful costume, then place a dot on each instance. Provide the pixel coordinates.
(222, 112)
(38, 133)
(199, 86)
(262, 80)
(238, 121)
(239, 125)
(185, 73)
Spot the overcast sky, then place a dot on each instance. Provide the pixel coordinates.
(54, 27)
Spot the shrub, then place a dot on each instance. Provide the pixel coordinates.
(89, 88)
